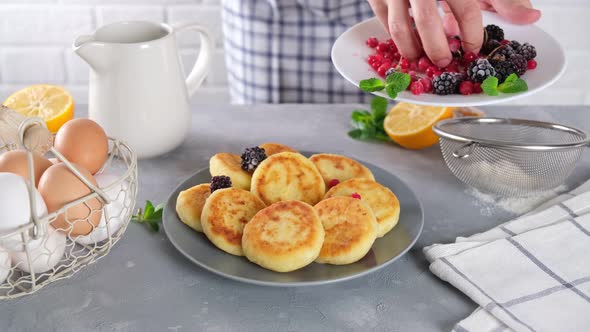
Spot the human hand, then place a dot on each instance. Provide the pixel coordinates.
(461, 17)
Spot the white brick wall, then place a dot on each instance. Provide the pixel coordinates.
(35, 39)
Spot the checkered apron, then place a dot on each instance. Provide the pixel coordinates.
(278, 51)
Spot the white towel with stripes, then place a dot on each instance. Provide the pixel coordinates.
(529, 274)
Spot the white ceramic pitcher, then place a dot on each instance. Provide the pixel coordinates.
(138, 92)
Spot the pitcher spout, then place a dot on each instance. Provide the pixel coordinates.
(93, 52)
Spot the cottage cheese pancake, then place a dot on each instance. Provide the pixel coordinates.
(230, 165)
(190, 203)
(287, 176)
(283, 237)
(380, 199)
(350, 227)
(274, 148)
(225, 213)
(341, 168)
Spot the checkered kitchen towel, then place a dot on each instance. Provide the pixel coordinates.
(529, 274)
(278, 51)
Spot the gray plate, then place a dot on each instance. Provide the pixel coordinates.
(196, 247)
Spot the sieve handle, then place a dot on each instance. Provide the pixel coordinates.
(462, 155)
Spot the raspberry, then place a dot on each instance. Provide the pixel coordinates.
(430, 71)
(494, 32)
(372, 42)
(446, 83)
(531, 64)
(220, 182)
(424, 63)
(466, 88)
(527, 50)
(252, 157)
(426, 83)
(480, 70)
(416, 88)
(333, 183)
(356, 195)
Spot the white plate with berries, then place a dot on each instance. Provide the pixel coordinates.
(515, 61)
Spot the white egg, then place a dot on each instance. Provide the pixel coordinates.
(116, 209)
(15, 210)
(4, 265)
(43, 258)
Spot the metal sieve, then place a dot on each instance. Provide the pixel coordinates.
(511, 157)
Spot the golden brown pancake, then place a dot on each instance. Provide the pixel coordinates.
(341, 168)
(230, 164)
(190, 203)
(283, 237)
(225, 213)
(287, 176)
(274, 148)
(382, 201)
(351, 229)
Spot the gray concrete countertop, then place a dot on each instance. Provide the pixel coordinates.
(146, 285)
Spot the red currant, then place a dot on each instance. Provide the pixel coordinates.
(376, 64)
(452, 68)
(382, 48)
(477, 88)
(469, 57)
(397, 56)
(531, 64)
(383, 68)
(426, 83)
(333, 182)
(438, 72)
(356, 195)
(430, 71)
(416, 88)
(454, 44)
(424, 63)
(505, 42)
(372, 42)
(466, 87)
(404, 63)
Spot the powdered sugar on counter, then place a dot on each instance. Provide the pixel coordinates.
(490, 204)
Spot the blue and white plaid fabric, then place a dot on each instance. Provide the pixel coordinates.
(529, 274)
(278, 51)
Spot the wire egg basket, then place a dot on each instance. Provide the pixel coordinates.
(40, 253)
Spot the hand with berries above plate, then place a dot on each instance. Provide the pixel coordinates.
(514, 61)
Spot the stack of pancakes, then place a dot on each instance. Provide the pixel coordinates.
(284, 216)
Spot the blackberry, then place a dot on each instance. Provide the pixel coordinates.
(494, 32)
(505, 50)
(527, 50)
(520, 63)
(489, 46)
(446, 83)
(252, 157)
(514, 44)
(515, 64)
(480, 69)
(220, 182)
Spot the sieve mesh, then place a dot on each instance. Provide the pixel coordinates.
(508, 156)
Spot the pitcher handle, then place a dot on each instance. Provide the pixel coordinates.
(201, 67)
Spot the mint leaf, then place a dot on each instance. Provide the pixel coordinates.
(490, 86)
(397, 82)
(379, 105)
(514, 86)
(151, 216)
(371, 85)
(355, 133)
(391, 90)
(511, 78)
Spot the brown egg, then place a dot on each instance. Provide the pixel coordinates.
(84, 142)
(60, 186)
(16, 162)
